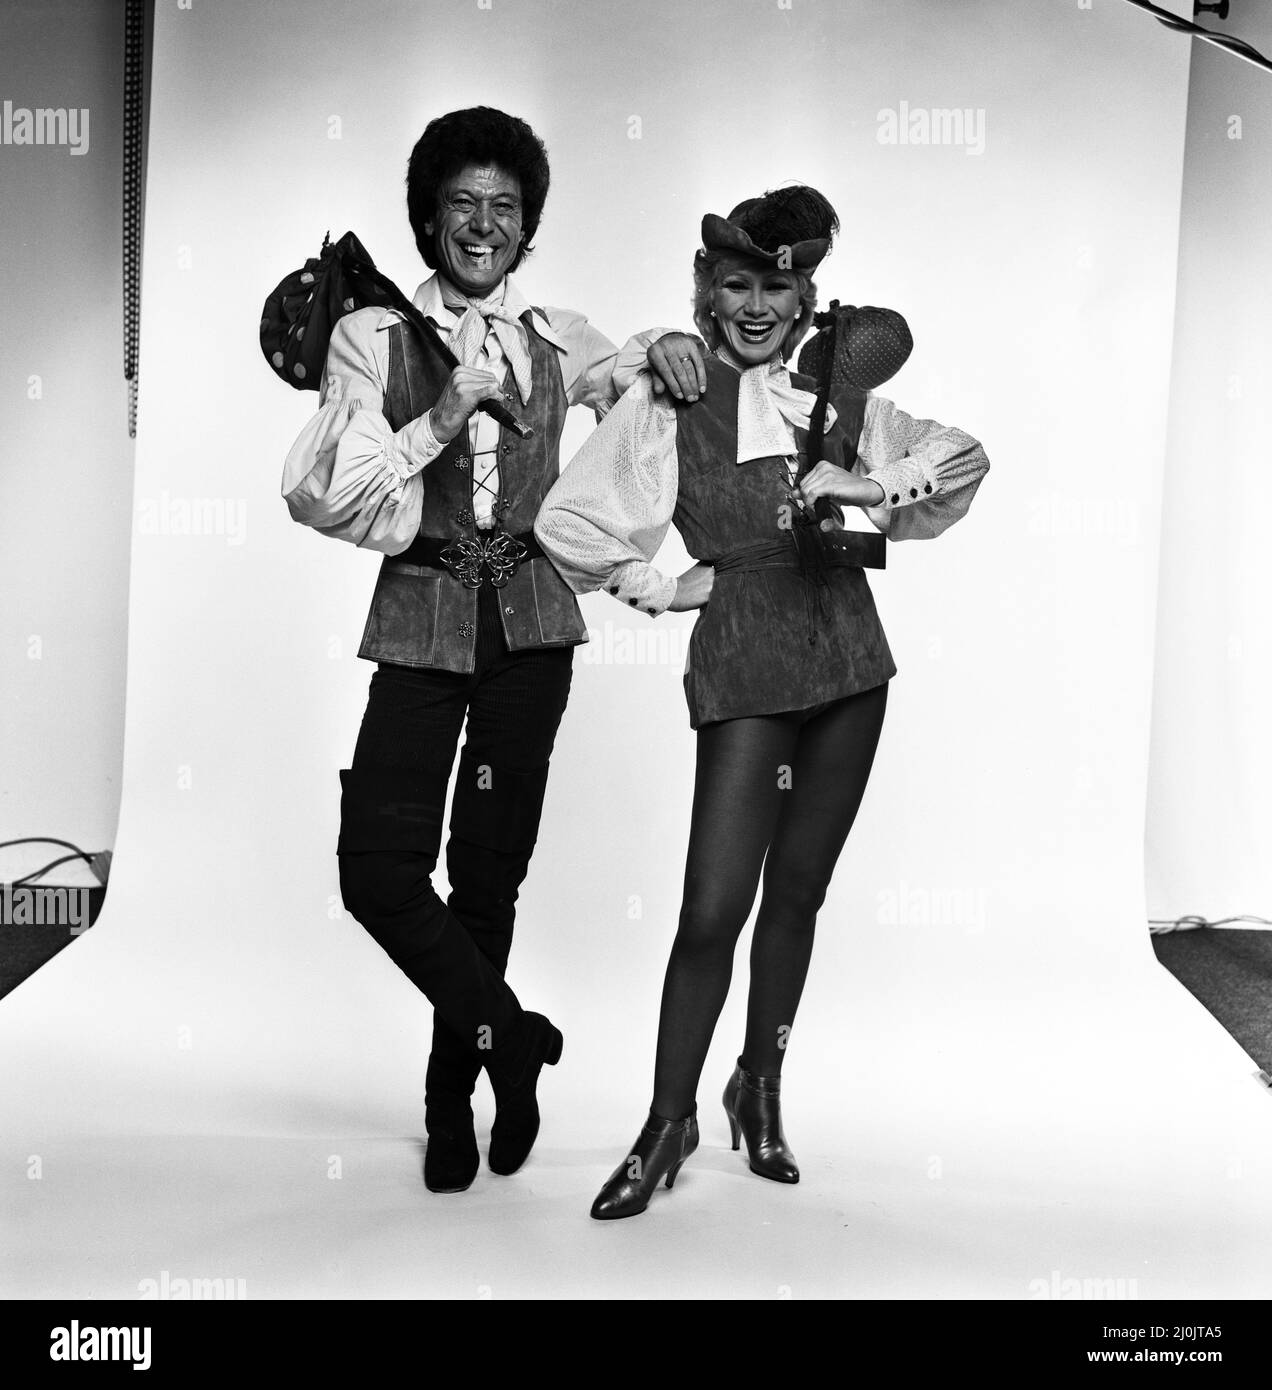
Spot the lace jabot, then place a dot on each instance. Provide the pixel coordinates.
(769, 408)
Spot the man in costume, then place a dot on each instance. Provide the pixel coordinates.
(469, 623)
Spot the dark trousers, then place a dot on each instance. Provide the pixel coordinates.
(392, 807)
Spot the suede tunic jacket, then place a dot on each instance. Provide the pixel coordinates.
(752, 651)
(423, 616)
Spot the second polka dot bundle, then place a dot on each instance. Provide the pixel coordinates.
(870, 346)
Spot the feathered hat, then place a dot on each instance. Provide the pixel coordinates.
(787, 227)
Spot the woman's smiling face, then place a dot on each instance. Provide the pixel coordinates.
(755, 307)
(477, 230)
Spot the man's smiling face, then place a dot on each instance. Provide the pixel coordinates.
(477, 230)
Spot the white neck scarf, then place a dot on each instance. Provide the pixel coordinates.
(769, 409)
(489, 315)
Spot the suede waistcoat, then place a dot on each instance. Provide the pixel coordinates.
(421, 616)
(764, 644)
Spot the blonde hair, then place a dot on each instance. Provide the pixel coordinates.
(709, 267)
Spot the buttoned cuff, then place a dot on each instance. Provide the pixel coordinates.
(415, 446)
(902, 482)
(642, 587)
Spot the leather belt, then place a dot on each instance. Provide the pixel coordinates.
(485, 557)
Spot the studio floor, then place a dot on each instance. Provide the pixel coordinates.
(1039, 1153)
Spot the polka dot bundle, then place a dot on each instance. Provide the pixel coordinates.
(869, 345)
(298, 317)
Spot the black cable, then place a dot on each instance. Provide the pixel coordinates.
(1159, 926)
(1186, 26)
(53, 864)
(41, 840)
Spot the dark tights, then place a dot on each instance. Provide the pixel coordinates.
(779, 794)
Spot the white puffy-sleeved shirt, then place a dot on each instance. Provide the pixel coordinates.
(609, 512)
(351, 476)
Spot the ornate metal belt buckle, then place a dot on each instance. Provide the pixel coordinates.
(498, 552)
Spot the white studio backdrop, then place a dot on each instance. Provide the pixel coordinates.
(67, 454)
(1209, 818)
(994, 1080)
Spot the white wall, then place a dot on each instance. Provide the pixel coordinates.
(1209, 820)
(66, 462)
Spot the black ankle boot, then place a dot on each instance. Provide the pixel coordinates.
(514, 1068)
(451, 1160)
(660, 1151)
(753, 1105)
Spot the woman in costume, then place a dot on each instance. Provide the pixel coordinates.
(788, 667)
